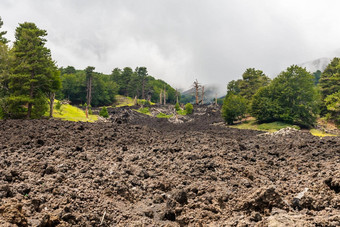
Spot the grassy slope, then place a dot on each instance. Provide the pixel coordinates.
(72, 113)
(268, 127)
(123, 101)
(274, 126)
(316, 132)
(127, 101)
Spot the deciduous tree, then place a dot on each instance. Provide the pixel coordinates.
(291, 97)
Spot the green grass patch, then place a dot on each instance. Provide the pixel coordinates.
(72, 113)
(268, 127)
(182, 112)
(124, 101)
(128, 101)
(144, 110)
(275, 126)
(163, 115)
(316, 132)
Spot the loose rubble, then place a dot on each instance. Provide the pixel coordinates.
(135, 170)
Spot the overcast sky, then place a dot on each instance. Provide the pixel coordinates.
(181, 40)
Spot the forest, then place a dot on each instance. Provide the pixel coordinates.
(30, 81)
(295, 96)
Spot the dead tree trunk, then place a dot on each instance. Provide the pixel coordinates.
(160, 97)
(135, 101)
(89, 77)
(202, 96)
(164, 97)
(196, 86)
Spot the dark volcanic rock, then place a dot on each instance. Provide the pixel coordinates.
(136, 170)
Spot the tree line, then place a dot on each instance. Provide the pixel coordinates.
(295, 96)
(30, 80)
(98, 89)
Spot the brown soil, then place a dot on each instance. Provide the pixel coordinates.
(140, 171)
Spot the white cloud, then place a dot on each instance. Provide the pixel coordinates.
(179, 41)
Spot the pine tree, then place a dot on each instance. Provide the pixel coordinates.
(34, 72)
(2, 33)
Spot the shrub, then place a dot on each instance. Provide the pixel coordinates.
(103, 112)
(333, 106)
(163, 115)
(182, 112)
(177, 107)
(234, 107)
(189, 108)
(58, 106)
(90, 111)
(144, 110)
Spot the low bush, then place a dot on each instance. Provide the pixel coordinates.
(163, 115)
(103, 112)
(189, 108)
(177, 107)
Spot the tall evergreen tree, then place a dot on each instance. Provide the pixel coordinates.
(252, 80)
(330, 78)
(142, 72)
(34, 72)
(2, 33)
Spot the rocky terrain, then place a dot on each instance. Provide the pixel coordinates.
(135, 170)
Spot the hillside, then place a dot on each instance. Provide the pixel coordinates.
(317, 64)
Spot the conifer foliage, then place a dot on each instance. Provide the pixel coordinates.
(34, 73)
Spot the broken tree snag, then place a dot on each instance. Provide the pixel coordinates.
(202, 96)
(89, 77)
(164, 96)
(160, 97)
(135, 101)
(196, 86)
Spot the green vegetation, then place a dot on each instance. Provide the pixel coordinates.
(3, 40)
(29, 78)
(316, 132)
(329, 85)
(189, 108)
(144, 110)
(76, 83)
(291, 97)
(58, 106)
(103, 112)
(177, 107)
(163, 115)
(252, 81)
(332, 103)
(124, 101)
(234, 108)
(140, 84)
(268, 127)
(182, 112)
(71, 113)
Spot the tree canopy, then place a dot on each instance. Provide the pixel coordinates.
(330, 78)
(291, 97)
(33, 76)
(234, 108)
(3, 40)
